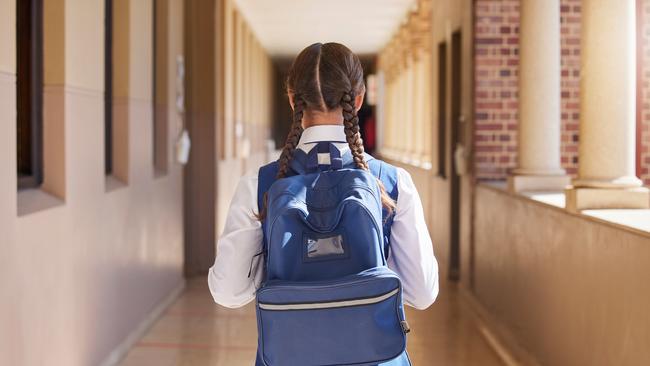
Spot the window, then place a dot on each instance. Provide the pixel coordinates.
(108, 87)
(29, 92)
(442, 109)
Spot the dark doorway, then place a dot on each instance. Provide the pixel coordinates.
(456, 120)
(442, 110)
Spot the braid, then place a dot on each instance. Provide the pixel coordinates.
(353, 136)
(292, 138)
(289, 146)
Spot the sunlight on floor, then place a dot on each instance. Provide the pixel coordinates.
(195, 331)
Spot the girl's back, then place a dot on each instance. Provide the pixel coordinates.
(326, 89)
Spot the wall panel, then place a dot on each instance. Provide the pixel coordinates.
(571, 289)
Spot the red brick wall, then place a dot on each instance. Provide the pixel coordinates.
(645, 94)
(570, 83)
(496, 105)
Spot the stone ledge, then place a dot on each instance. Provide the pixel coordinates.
(635, 218)
(632, 219)
(528, 183)
(578, 199)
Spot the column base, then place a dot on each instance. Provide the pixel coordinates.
(524, 183)
(578, 198)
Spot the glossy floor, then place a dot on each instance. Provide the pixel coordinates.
(196, 331)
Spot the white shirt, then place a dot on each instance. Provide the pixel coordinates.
(411, 255)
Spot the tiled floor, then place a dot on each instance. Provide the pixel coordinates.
(196, 331)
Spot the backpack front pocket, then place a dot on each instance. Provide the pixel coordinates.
(355, 320)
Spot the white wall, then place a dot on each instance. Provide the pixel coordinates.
(78, 277)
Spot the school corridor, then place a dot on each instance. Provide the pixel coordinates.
(125, 126)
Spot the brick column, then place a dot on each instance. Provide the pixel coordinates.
(606, 172)
(539, 165)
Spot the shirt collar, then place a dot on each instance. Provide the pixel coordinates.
(333, 133)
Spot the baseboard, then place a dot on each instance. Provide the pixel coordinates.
(497, 335)
(123, 348)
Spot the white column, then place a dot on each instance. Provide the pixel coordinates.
(380, 110)
(606, 173)
(418, 101)
(406, 141)
(539, 165)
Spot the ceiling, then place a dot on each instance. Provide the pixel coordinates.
(284, 27)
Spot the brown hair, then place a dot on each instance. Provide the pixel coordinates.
(325, 77)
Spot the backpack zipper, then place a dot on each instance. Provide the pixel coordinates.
(328, 304)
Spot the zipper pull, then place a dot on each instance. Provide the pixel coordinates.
(405, 326)
(250, 269)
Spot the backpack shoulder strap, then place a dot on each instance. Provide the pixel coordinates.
(387, 174)
(265, 178)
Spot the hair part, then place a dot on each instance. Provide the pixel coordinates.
(325, 77)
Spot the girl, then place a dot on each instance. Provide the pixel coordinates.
(326, 90)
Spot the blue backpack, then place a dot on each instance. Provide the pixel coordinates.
(328, 297)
